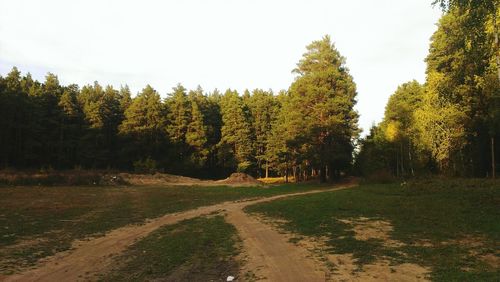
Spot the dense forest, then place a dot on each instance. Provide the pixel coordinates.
(451, 123)
(308, 130)
(448, 125)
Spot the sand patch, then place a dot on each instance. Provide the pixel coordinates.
(347, 269)
(366, 229)
(241, 179)
(467, 241)
(344, 267)
(491, 259)
(164, 179)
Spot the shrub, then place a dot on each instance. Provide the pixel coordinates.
(145, 166)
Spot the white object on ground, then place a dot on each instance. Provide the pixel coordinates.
(230, 278)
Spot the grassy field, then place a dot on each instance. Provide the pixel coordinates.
(452, 227)
(200, 249)
(39, 221)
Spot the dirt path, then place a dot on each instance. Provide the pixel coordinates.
(267, 250)
(269, 254)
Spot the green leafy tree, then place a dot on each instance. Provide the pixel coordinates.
(441, 126)
(399, 126)
(461, 64)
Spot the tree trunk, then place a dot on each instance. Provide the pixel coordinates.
(267, 169)
(397, 164)
(286, 173)
(327, 173)
(402, 158)
(322, 174)
(294, 173)
(410, 158)
(493, 168)
(497, 42)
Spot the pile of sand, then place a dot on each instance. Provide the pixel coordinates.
(240, 179)
(109, 178)
(159, 179)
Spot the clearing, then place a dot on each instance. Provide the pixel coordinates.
(94, 256)
(432, 230)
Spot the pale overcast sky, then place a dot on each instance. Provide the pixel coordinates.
(220, 44)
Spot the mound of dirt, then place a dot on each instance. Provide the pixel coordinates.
(240, 179)
(110, 178)
(160, 179)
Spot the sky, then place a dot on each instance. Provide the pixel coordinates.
(222, 44)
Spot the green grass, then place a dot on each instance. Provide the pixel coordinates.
(443, 212)
(36, 222)
(200, 249)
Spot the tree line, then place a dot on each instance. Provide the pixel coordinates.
(306, 131)
(451, 123)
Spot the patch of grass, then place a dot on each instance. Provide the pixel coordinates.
(36, 222)
(459, 218)
(200, 249)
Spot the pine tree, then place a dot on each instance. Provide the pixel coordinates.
(235, 144)
(323, 123)
(125, 98)
(263, 111)
(50, 120)
(178, 117)
(72, 122)
(143, 129)
(196, 136)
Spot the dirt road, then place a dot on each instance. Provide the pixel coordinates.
(270, 255)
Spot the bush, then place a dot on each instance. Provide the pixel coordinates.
(58, 178)
(145, 166)
(381, 176)
(244, 166)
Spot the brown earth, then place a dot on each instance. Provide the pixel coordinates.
(268, 253)
(109, 178)
(161, 179)
(344, 267)
(236, 179)
(366, 228)
(93, 256)
(241, 179)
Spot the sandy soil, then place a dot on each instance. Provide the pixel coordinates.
(382, 269)
(344, 267)
(365, 229)
(270, 256)
(235, 179)
(283, 261)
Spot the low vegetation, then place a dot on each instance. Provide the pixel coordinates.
(450, 226)
(62, 135)
(40, 221)
(200, 249)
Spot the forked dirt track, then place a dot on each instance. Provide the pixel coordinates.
(269, 254)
